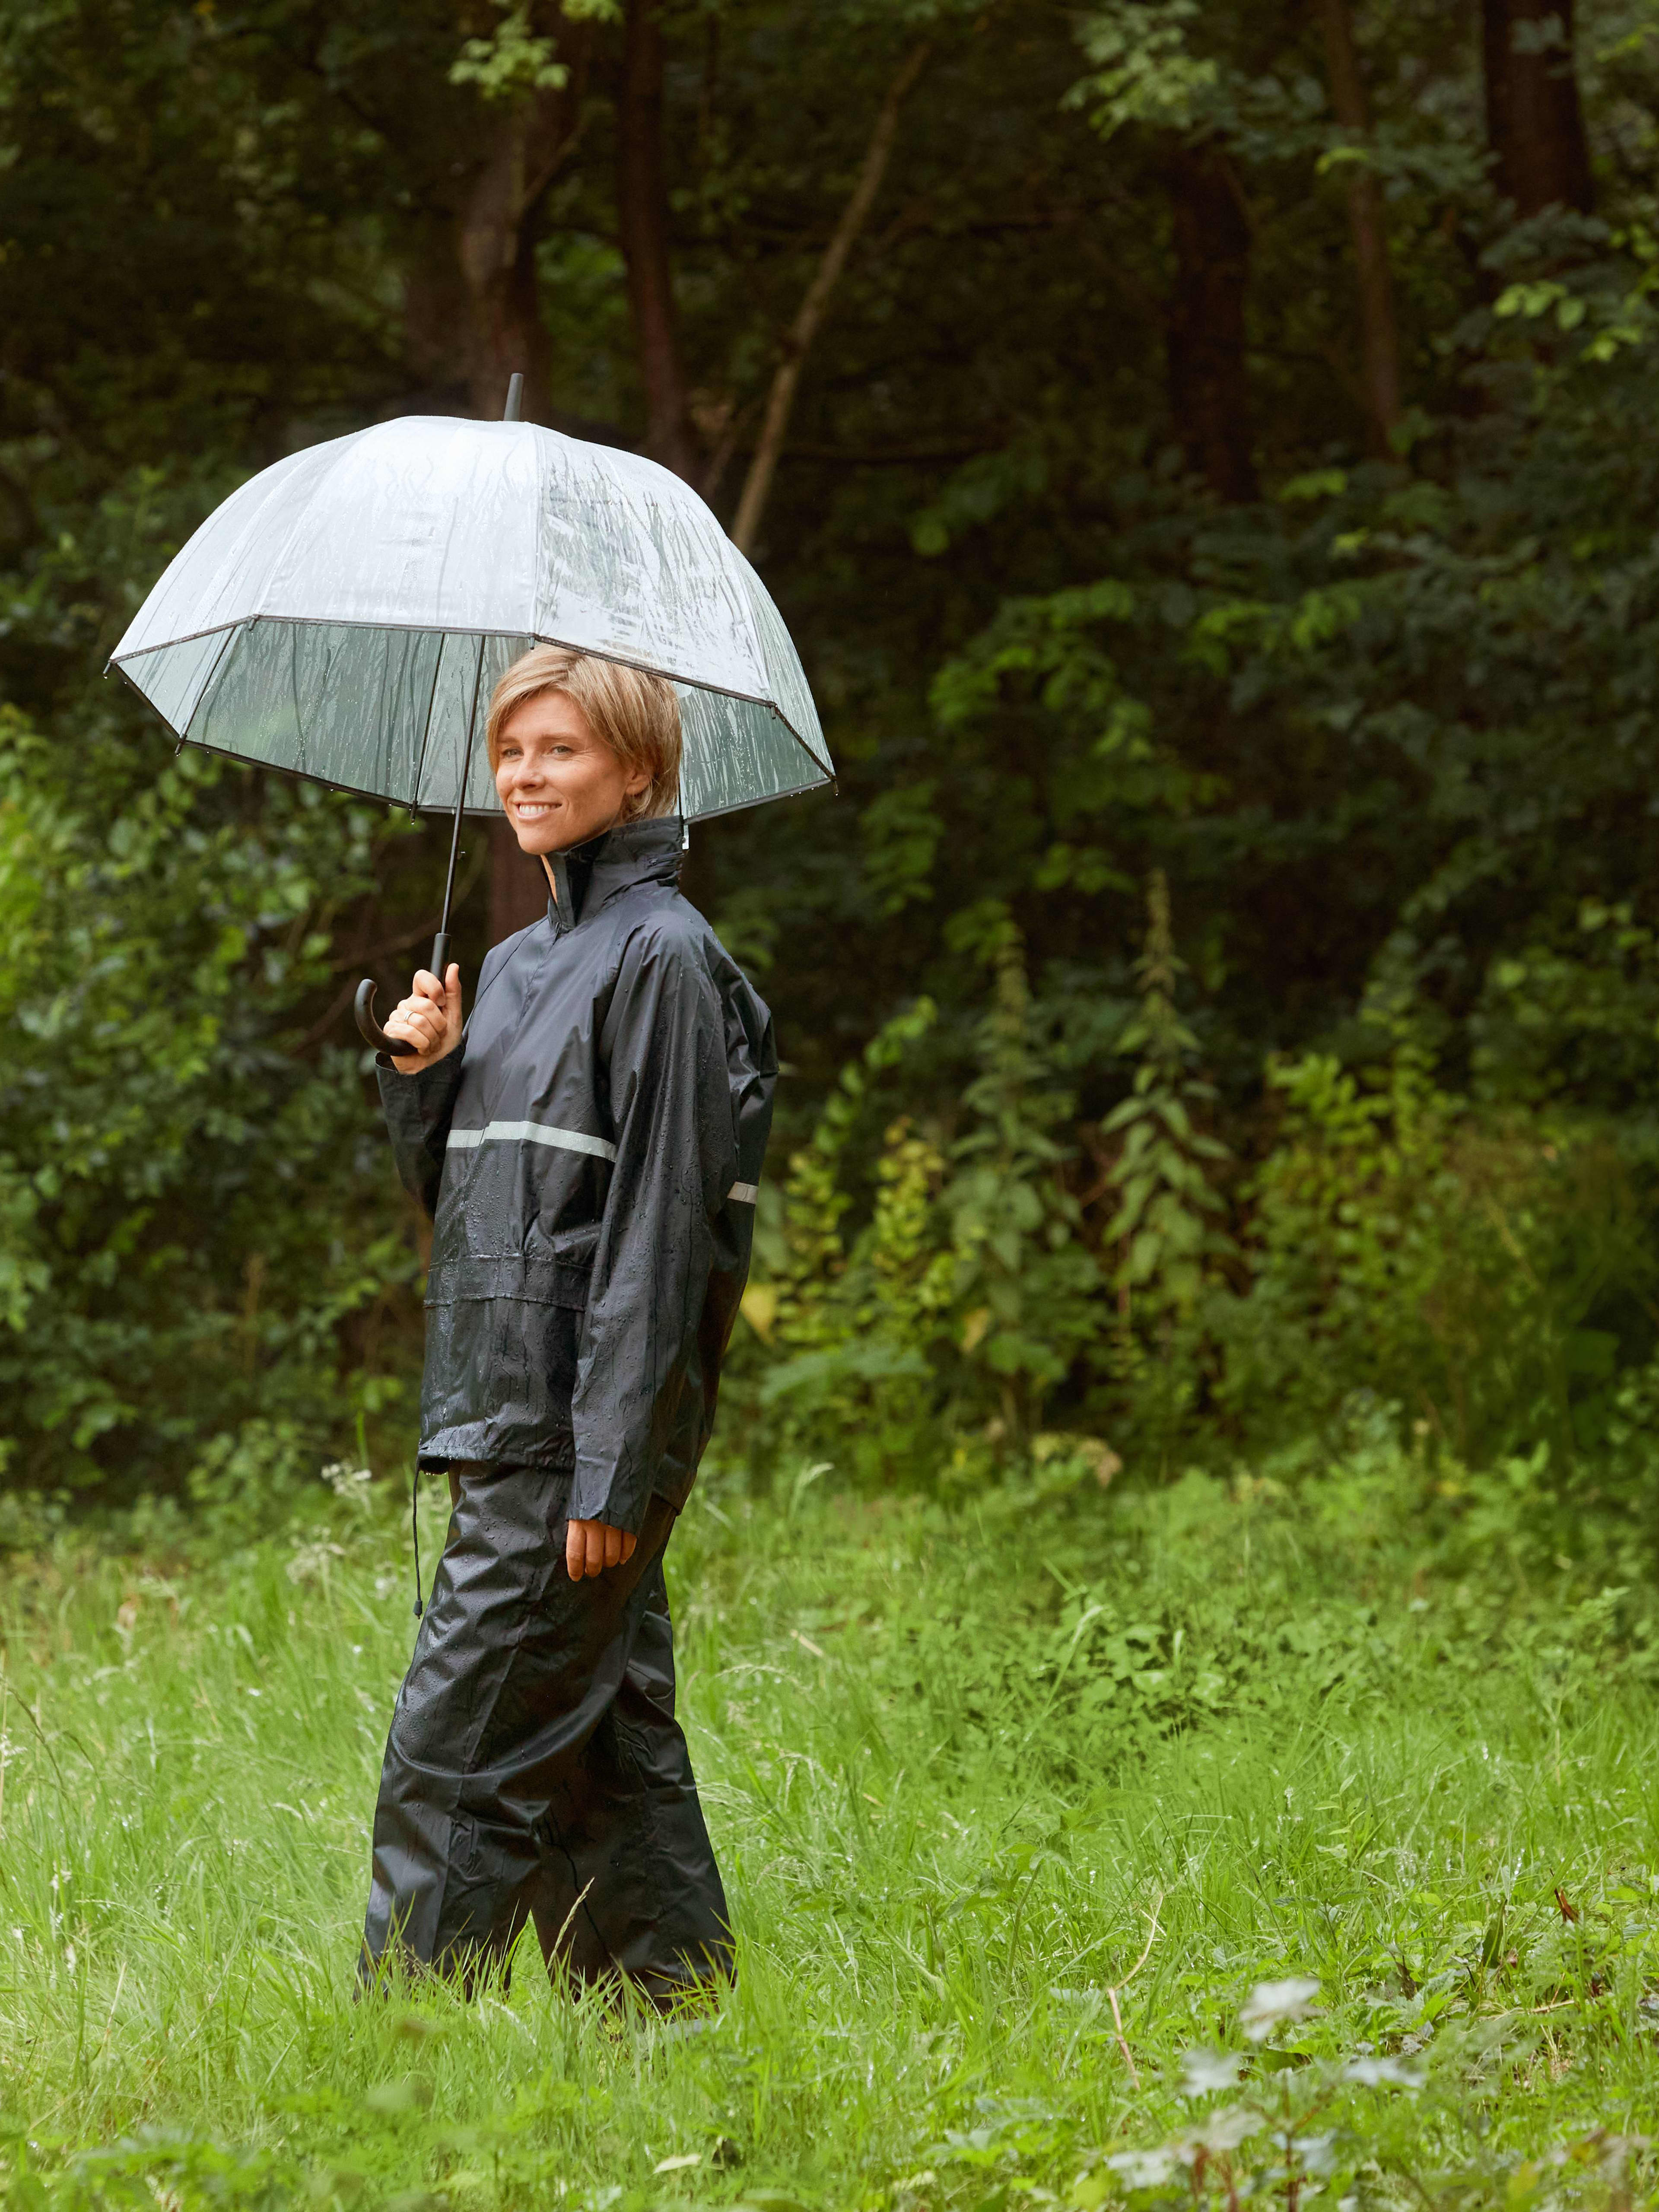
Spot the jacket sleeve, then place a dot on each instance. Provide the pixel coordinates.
(417, 1110)
(677, 1159)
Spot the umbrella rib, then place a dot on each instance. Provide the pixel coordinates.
(299, 727)
(426, 729)
(207, 683)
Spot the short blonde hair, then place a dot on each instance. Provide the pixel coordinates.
(636, 715)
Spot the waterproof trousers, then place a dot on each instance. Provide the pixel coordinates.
(534, 1770)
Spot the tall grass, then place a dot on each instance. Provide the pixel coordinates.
(1016, 1804)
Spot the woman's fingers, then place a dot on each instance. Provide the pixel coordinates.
(430, 1018)
(590, 1546)
(416, 1022)
(584, 1549)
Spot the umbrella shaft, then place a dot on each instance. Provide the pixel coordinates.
(454, 855)
(441, 942)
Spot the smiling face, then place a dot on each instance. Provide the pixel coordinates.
(559, 783)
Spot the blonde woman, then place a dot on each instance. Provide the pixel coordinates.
(589, 1148)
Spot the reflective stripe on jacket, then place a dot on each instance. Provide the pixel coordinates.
(591, 1156)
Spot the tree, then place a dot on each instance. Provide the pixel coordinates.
(535, 90)
(780, 400)
(1208, 372)
(1071, 509)
(1534, 124)
(642, 227)
(1380, 333)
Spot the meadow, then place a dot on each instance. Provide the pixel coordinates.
(1298, 1834)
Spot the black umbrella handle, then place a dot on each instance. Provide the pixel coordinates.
(370, 1031)
(363, 1007)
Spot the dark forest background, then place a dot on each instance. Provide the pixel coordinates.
(1206, 456)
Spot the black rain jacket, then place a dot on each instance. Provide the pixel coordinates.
(590, 1155)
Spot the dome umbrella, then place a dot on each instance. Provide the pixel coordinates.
(346, 615)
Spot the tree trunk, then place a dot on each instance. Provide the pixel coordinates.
(1534, 124)
(809, 317)
(498, 268)
(1209, 383)
(643, 217)
(497, 235)
(1379, 332)
(518, 885)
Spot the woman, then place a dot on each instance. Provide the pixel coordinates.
(589, 1149)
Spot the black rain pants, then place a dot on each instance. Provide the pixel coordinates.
(535, 1771)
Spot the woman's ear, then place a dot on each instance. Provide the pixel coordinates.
(636, 793)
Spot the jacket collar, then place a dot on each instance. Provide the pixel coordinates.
(588, 875)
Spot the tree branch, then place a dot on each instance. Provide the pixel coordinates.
(810, 318)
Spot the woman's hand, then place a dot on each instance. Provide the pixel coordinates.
(590, 1546)
(429, 1018)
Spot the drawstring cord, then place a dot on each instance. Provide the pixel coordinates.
(415, 1531)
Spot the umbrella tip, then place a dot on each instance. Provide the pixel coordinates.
(513, 410)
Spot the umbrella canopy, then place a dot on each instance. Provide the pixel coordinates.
(345, 615)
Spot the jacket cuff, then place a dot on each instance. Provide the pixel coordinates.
(600, 1492)
(421, 1100)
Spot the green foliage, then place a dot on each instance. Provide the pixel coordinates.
(512, 63)
(515, 62)
(971, 1291)
(1484, 1275)
(1023, 1270)
(1146, 70)
(205, 1273)
(192, 1230)
(1374, 702)
(1164, 1222)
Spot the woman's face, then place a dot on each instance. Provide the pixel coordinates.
(559, 784)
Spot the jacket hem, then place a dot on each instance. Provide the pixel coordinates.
(481, 1444)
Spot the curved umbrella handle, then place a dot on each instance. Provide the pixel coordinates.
(370, 1030)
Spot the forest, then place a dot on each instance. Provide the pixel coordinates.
(1203, 456)
(1176, 1564)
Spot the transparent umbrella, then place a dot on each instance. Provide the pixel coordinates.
(347, 613)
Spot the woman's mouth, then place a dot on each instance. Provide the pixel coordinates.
(532, 809)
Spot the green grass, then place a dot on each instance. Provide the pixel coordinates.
(973, 1777)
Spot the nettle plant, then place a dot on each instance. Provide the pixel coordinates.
(1277, 2122)
(1276, 2136)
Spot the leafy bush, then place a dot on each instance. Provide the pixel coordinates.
(204, 1273)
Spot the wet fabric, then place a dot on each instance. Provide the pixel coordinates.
(535, 1771)
(591, 1156)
